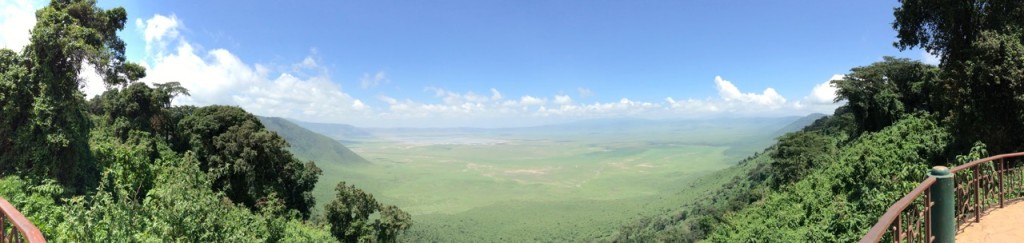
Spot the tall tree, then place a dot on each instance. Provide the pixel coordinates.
(349, 215)
(47, 120)
(880, 93)
(138, 107)
(15, 98)
(981, 44)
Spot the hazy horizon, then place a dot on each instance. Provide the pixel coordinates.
(557, 123)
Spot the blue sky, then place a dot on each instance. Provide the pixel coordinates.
(504, 63)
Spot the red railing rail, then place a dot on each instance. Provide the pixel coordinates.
(979, 186)
(22, 230)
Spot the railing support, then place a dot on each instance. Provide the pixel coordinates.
(943, 215)
(977, 195)
(22, 230)
(1001, 191)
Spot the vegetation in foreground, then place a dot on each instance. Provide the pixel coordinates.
(126, 166)
(831, 181)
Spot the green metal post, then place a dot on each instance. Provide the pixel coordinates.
(943, 221)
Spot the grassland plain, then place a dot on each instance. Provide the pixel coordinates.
(544, 184)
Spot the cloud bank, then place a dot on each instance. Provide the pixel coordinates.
(305, 90)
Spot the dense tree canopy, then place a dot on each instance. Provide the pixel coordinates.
(127, 166)
(951, 28)
(901, 116)
(797, 154)
(246, 161)
(139, 107)
(350, 216)
(880, 93)
(980, 44)
(47, 121)
(839, 201)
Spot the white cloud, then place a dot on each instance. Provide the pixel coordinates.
(159, 31)
(219, 77)
(91, 82)
(825, 92)
(358, 105)
(530, 100)
(389, 100)
(692, 105)
(928, 58)
(563, 99)
(767, 99)
(310, 63)
(732, 101)
(455, 98)
(160, 28)
(821, 99)
(17, 18)
(370, 81)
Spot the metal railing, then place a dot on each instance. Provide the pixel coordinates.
(14, 227)
(978, 186)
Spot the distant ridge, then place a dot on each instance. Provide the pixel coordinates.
(335, 131)
(308, 145)
(800, 123)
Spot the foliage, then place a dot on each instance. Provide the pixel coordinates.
(994, 111)
(349, 215)
(748, 182)
(796, 154)
(138, 107)
(180, 208)
(15, 98)
(36, 200)
(840, 201)
(308, 145)
(119, 168)
(982, 51)
(246, 161)
(47, 125)
(841, 125)
(975, 96)
(978, 151)
(881, 93)
(951, 28)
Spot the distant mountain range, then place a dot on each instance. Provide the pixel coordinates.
(341, 132)
(800, 123)
(322, 142)
(309, 145)
(349, 132)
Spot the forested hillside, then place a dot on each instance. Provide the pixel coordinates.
(127, 166)
(336, 131)
(831, 181)
(310, 145)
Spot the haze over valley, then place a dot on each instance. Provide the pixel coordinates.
(538, 183)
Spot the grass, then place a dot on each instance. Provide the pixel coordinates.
(572, 186)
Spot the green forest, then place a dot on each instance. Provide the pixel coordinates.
(127, 166)
(831, 181)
